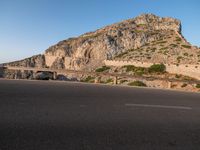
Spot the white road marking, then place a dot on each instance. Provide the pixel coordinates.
(158, 106)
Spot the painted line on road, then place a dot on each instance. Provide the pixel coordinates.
(158, 106)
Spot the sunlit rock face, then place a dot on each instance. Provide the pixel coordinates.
(34, 61)
(157, 39)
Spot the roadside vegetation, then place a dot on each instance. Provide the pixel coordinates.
(107, 81)
(156, 68)
(137, 83)
(88, 79)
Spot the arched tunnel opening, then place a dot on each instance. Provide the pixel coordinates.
(44, 75)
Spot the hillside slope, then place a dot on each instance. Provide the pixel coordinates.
(146, 38)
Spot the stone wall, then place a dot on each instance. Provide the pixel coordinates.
(124, 63)
(184, 69)
(188, 70)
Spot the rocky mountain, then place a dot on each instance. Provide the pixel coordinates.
(146, 38)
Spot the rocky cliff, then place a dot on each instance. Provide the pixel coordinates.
(146, 38)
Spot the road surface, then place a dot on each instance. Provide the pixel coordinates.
(43, 115)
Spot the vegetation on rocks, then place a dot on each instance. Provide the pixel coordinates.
(198, 86)
(136, 70)
(186, 46)
(89, 79)
(157, 68)
(184, 85)
(106, 81)
(102, 69)
(109, 80)
(123, 81)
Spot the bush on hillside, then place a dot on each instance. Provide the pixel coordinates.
(157, 68)
(102, 69)
(186, 46)
(136, 70)
(129, 68)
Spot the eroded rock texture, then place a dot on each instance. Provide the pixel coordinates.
(146, 38)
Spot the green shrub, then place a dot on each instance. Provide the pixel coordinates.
(91, 36)
(102, 69)
(173, 45)
(153, 49)
(88, 79)
(157, 68)
(165, 52)
(109, 80)
(179, 58)
(161, 42)
(177, 76)
(187, 78)
(186, 46)
(137, 83)
(138, 31)
(122, 81)
(198, 86)
(140, 71)
(129, 68)
(183, 85)
(185, 54)
(139, 25)
(136, 70)
(121, 55)
(164, 48)
(148, 57)
(161, 45)
(178, 39)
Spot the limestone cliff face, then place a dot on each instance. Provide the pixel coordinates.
(91, 49)
(34, 61)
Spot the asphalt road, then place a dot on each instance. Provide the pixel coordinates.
(36, 115)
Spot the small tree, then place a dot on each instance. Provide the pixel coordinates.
(157, 68)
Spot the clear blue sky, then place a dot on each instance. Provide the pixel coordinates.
(29, 27)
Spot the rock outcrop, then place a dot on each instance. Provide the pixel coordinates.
(146, 38)
(34, 61)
